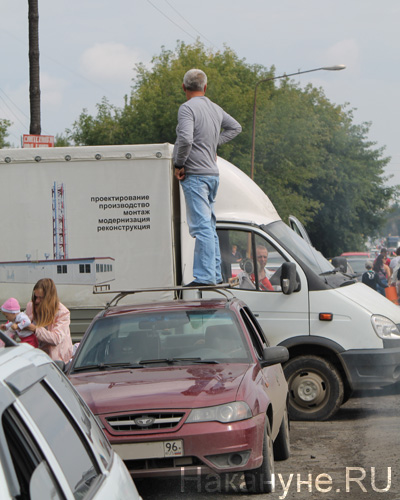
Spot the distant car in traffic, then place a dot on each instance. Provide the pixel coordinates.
(357, 261)
(186, 388)
(51, 446)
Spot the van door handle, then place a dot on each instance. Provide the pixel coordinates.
(256, 315)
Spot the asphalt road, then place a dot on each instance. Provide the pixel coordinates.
(354, 456)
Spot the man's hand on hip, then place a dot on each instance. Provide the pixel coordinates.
(180, 173)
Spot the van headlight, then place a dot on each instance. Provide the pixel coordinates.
(231, 412)
(384, 327)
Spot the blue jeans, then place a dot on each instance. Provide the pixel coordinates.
(200, 192)
(380, 288)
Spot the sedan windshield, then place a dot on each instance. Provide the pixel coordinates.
(133, 340)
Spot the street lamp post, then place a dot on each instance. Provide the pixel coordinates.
(325, 68)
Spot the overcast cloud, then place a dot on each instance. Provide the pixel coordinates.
(89, 50)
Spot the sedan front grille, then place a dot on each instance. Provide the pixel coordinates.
(144, 421)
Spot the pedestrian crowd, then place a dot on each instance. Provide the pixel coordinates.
(383, 272)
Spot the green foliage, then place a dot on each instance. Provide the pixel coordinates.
(316, 164)
(61, 141)
(150, 112)
(355, 198)
(393, 221)
(310, 158)
(105, 128)
(4, 124)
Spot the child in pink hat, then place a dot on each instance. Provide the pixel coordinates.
(17, 321)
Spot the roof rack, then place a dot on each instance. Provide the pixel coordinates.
(222, 289)
(7, 340)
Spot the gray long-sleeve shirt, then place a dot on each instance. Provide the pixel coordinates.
(199, 134)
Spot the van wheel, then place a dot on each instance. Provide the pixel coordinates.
(261, 480)
(316, 388)
(282, 441)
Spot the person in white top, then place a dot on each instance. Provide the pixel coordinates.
(17, 322)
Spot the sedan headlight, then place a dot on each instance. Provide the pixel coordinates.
(384, 327)
(231, 412)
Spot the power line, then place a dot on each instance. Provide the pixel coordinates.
(169, 19)
(12, 112)
(186, 21)
(25, 127)
(9, 98)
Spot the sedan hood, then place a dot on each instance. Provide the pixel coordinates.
(169, 387)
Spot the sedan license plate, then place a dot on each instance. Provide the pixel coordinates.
(155, 449)
(173, 448)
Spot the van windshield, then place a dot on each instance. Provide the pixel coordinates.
(298, 247)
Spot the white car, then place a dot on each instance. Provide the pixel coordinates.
(51, 446)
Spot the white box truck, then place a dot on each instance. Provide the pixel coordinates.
(115, 216)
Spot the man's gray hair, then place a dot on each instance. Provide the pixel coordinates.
(195, 79)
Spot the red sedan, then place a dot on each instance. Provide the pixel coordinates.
(187, 388)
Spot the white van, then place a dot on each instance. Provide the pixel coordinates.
(341, 335)
(114, 217)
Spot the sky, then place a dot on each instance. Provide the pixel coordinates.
(88, 50)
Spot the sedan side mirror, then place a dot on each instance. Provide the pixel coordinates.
(274, 355)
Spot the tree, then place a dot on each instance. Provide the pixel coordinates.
(310, 158)
(34, 72)
(4, 124)
(393, 221)
(358, 205)
(61, 141)
(150, 112)
(316, 164)
(105, 128)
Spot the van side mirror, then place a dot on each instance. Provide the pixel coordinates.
(289, 281)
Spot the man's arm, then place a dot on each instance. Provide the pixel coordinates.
(230, 129)
(184, 132)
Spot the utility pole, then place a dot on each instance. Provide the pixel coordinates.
(34, 72)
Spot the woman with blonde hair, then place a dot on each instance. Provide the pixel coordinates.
(50, 320)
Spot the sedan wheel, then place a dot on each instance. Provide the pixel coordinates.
(282, 441)
(262, 480)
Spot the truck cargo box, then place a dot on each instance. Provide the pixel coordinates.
(87, 216)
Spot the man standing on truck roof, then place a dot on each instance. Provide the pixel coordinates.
(195, 159)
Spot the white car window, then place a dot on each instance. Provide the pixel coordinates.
(63, 437)
(34, 478)
(83, 416)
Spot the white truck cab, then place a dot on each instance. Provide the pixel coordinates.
(341, 335)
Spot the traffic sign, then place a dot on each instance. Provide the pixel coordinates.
(37, 141)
